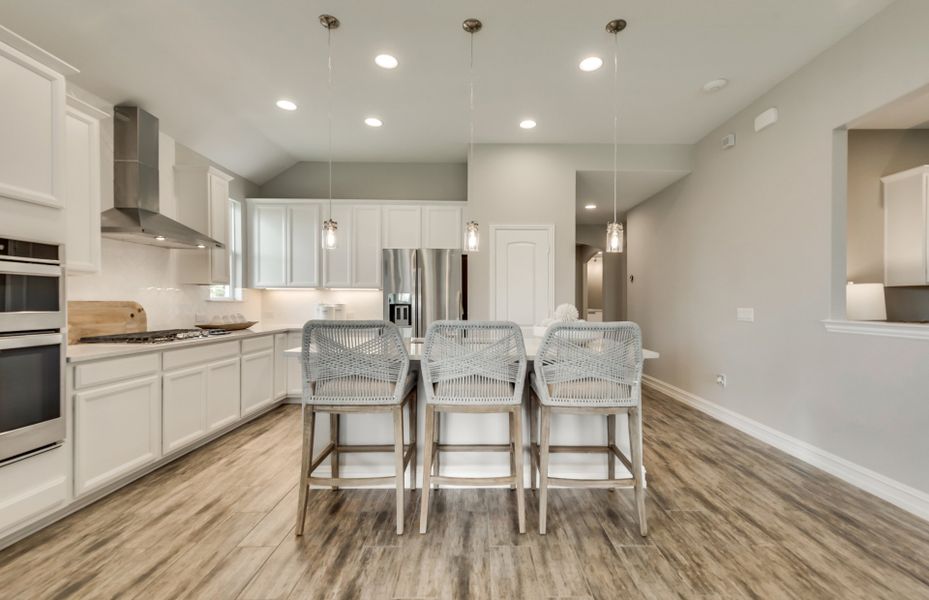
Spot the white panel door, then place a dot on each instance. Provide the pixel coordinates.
(366, 246)
(184, 407)
(268, 245)
(303, 246)
(442, 227)
(337, 263)
(32, 126)
(82, 188)
(117, 429)
(222, 393)
(522, 273)
(257, 380)
(402, 226)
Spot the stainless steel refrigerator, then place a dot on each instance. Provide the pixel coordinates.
(422, 286)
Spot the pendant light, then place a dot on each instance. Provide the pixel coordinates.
(330, 226)
(614, 229)
(472, 241)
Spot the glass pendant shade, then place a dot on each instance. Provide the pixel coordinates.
(329, 238)
(472, 237)
(614, 237)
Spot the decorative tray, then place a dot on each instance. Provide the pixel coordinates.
(227, 326)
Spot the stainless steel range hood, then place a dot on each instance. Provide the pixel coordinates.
(135, 215)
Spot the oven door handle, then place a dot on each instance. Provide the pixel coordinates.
(15, 268)
(30, 341)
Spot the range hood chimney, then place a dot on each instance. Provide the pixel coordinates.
(135, 215)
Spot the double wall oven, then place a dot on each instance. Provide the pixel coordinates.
(32, 348)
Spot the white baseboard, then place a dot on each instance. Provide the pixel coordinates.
(899, 494)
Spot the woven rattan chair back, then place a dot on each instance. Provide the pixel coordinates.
(474, 362)
(353, 362)
(590, 364)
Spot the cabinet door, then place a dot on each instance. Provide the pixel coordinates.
(222, 393)
(294, 368)
(184, 407)
(117, 430)
(32, 486)
(905, 239)
(219, 227)
(268, 245)
(402, 226)
(280, 365)
(304, 246)
(32, 121)
(257, 381)
(82, 186)
(366, 246)
(442, 227)
(337, 263)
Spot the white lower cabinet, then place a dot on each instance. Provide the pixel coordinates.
(117, 429)
(222, 393)
(184, 400)
(294, 368)
(280, 365)
(257, 373)
(32, 487)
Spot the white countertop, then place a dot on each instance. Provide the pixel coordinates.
(85, 352)
(415, 349)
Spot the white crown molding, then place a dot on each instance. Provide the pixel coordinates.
(906, 497)
(911, 331)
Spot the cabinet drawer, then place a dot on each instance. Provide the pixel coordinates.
(32, 487)
(199, 354)
(115, 369)
(257, 344)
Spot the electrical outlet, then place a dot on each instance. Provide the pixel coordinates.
(721, 380)
(745, 314)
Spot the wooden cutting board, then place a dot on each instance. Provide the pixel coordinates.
(104, 317)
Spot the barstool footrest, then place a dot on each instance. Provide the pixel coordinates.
(343, 481)
(477, 481)
(593, 483)
(473, 447)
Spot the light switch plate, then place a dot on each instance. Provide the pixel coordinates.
(745, 314)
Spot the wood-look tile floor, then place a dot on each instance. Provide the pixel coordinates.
(728, 517)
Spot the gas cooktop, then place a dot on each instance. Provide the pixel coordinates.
(153, 337)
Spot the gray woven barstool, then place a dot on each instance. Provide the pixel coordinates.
(473, 367)
(589, 368)
(356, 367)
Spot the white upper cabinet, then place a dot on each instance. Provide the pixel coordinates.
(32, 112)
(82, 185)
(284, 245)
(203, 203)
(402, 226)
(366, 246)
(906, 229)
(442, 227)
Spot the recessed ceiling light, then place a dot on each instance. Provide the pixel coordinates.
(591, 63)
(286, 105)
(386, 61)
(201, 246)
(160, 238)
(715, 85)
(373, 122)
(590, 206)
(527, 124)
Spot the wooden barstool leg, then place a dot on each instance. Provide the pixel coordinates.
(414, 425)
(427, 468)
(611, 441)
(546, 426)
(334, 419)
(309, 426)
(513, 447)
(533, 440)
(635, 444)
(435, 440)
(516, 419)
(398, 465)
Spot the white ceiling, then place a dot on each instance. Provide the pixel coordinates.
(212, 69)
(596, 187)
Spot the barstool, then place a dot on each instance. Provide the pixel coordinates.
(589, 368)
(355, 367)
(473, 367)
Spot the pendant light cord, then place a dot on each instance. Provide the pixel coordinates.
(471, 113)
(615, 115)
(329, 109)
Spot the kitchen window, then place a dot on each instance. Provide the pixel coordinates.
(233, 291)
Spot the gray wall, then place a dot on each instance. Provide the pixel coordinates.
(757, 226)
(871, 155)
(382, 181)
